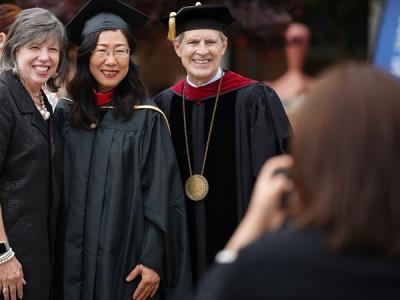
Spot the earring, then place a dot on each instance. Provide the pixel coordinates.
(54, 76)
(15, 70)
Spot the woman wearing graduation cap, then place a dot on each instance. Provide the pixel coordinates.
(124, 221)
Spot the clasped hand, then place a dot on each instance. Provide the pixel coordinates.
(148, 285)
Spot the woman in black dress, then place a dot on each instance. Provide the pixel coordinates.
(34, 56)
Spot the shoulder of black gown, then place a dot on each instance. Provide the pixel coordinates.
(163, 101)
(261, 102)
(153, 108)
(161, 96)
(61, 113)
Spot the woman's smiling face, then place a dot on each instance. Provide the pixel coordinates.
(37, 62)
(108, 64)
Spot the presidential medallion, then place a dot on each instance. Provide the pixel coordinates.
(196, 187)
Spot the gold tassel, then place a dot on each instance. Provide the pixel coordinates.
(171, 27)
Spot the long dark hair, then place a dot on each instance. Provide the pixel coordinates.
(129, 92)
(346, 151)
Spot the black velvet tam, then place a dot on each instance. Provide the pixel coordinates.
(100, 15)
(199, 16)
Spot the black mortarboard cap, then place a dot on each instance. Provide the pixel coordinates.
(99, 15)
(198, 17)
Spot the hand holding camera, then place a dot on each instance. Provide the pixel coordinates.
(269, 202)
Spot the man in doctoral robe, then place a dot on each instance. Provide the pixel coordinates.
(224, 126)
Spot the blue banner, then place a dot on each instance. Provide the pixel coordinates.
(387, 49)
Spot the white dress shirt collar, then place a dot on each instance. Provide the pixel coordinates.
(217, 76)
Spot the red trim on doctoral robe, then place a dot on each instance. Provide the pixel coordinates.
(103, 99)
(231, 81)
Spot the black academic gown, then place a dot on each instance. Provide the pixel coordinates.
(123, 206)
(250, 126)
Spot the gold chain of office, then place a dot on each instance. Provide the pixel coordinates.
(196, 186)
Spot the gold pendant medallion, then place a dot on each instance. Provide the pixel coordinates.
(196, 187)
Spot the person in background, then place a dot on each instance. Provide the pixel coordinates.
(292, 85)
(224, 126)
(342, 240)
(30, 153)
(123, 228)
(8, 12)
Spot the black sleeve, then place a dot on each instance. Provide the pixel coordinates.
(267, 123)
(154, 177)
(282, 126)
(165, 244)
(152, 251)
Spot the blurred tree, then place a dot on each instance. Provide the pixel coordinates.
(261, 22)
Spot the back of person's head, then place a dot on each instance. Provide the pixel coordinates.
(8, 13)
(347, 159)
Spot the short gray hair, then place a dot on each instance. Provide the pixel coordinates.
(179, 38)
(36, 25)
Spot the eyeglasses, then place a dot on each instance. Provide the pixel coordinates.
(119, 53)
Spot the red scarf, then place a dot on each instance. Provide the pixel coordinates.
(231, 81)
(103, 99)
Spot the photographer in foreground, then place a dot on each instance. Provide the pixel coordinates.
(343, 237)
